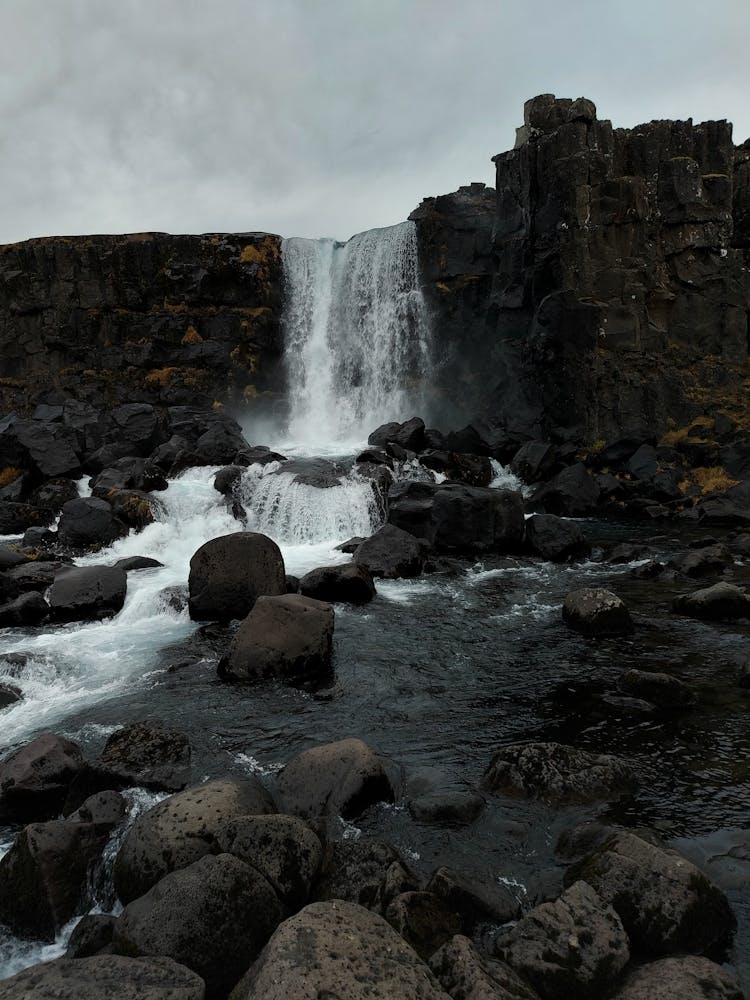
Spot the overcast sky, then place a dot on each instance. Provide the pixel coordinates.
(320, 117)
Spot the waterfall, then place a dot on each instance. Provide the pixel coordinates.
(357, 338)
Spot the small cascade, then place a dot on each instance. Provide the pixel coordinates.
(357, 336)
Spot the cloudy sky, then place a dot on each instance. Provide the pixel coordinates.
(320, 117)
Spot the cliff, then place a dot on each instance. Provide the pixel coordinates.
(147, 318)
(607, 291)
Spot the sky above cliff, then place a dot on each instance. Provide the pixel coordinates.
(320, 117)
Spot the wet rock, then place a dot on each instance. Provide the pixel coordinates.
(722, 602)
(91, 936)
(259, 455)
(130, 563)
(557, 773)
(390, 553)
(410, 435)
(351, 584)
(666, 904)
(46, 447)
(112, 976)
(467, 975)
(133, 508)
(16, 518)
(626, 553)
(213, 916)
(597, 612)
(573, 492)
(36, 575)
(174, 598)
(711, 560)
(685, 978)
(381, 435)
(226, 479)
(289, 637)
(282, 848)
(181, 829)
(458, 808)
(28, 609)
(147, 755)
(317, 472)
(43, 876)
(338, 949)
(135, 424)
(35, 779)
(350, 545)
(104, 809)
(573, 947)
(229, 573)
(368, 872)
(88, 522)
(658, 688)
(79, 593)
(342, 778)
(555, 539)
(534, 461)
(473, 901)
(292, 584)
(9, 695)
(129, 473)
(375, 456)
(423, 920)
(10, 557)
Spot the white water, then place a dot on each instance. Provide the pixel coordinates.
(357, 336)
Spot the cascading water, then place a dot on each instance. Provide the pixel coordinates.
(357, 335)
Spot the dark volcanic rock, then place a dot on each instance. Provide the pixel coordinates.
(342, 778)
(574, 492)
(289, 637)
(466, 975)
(473, 901)
(352, 584)
(555, 539)
(28, 609)
(368, 872)
(659, 688)
(91, 935)
(229, 573)
(685, 978)
(9, 695)
(390, 553)
(147, 755)
(557, 773)
(35, 779)
(82, 592)
(595, 611)
(423, 920)
(88, 522)
(722, 602)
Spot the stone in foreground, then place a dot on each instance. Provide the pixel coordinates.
(557, 774)
(105, 977)
(467, 975)
(597, 612)
(87, 592)
(35, 779)
(685, 978)
(338, 949)
(229, 573)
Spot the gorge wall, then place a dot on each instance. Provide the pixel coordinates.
(140, 318)
(604, 285)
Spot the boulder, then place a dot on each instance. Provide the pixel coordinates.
(229, 573)
(28, 609)
(289, 637)
(423, 920)
(337, 949)
(383, 434)
(258, 455)
(54, 494)
(10, 557)
(9, 695)
(44, 875)
(450, 808)
(46, 447)
(16, 518)
(35, 779)
(282, 848)
(666, 904)
(534, 461)
(658, 688)
(374, 456)
(79, 593)
(364, 871)
(136, 425)
(36, 575)
(573, 947)
(557, 774)
(226, 479)
(131, 563)
(467, 975)
(342, 778)
(573, 492)
(685, 978)
(104, 809)
(91, 936)
(555, 539)
(597, 612)
(390, 553)
(181, 829)
(134, 508)
(88, 522)
(722, 602)
(113, 977)
(709, 560)
(148, 755)
(410, 435)
(475, 902)
(129, 473)
(214, 916)
(351, 584)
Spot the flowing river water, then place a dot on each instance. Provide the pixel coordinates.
(437, 672)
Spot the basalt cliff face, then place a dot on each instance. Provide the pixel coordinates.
(147, 318)
(602, 291)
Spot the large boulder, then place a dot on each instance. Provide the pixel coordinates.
(34, 780)
(474, 901)
(557, 773)
(390, 553)
(105, 977)
(342, 778)
(659, 688)
(46, 447)
(149, 755)
(289, 637)
(467, 975)
(423, 920)
(364, 871)
(28, 609)
(688, 977)
(213, 916)
(79, 593)
(666, 904)
(722, 602)
(228, 574)
(597, 612)
(350, 583)
(555, 539)
(282, 848)
(88, 522)
(44, 875)
(181, 829)
(573, 492)
(573, 947)
(338, 949)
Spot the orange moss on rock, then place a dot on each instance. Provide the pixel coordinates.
(191, 336)
(9, 475)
